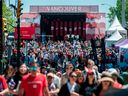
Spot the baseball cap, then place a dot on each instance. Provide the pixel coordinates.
(33, 68)
(90, 72)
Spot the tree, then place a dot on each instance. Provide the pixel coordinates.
(117, 11)
(8, 14)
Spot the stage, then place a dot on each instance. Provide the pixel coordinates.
(58, 25)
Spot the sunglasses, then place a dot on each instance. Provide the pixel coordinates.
(73, 76)
(79, 76)
(91, 74)
(69, 68)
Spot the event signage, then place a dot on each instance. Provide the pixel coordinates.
(64, 9)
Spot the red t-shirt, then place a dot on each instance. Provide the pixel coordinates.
(34, 86)
(3, 84)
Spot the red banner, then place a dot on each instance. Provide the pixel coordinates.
(61, 28)
(70, 27)
(25, 33)
(75, 28)
(57, 29)
(84, 30)
(52, 28)
(79, 28)
(65, 27)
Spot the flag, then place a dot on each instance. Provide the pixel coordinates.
(79, 28)
(84, 30)
(61, 28)
(65, 27)
(75, 28)
(57, 31)
(52, 29)
(70, 27)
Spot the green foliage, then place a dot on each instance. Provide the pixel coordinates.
(117, 10)
(8, 14)
(126, 12)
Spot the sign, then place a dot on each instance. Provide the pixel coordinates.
(74, 9)
(25, 32)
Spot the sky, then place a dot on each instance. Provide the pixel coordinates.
(102, 8)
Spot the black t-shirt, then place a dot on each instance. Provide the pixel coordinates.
(87, 89)
(14, 82)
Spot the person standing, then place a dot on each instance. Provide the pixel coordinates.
(87, 88)
(71, 88)
(105, 83)
(65, 76)
(3, 86)
(34, 84)
(15, 81)
(53, 89)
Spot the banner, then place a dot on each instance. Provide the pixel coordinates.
(64, 9)
(65, 27)
(57, 31)
(75, 28)
(79, 28)
(61, 28)
(52, 29)
(25, 33)
(70, 27)
(84, 30)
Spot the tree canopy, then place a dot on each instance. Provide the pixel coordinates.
(8, 14)
(117, 11)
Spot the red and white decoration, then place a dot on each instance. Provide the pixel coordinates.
(95, 25)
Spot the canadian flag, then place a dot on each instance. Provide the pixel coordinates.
(61, 28)
(84, 30)
(70, 27)
(57, 31)
(52, 28)
(79, 28)
(65, 27)
(75, 28)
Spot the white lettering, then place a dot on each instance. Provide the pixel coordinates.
(62, 8)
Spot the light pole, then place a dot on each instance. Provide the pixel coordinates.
(18, 14)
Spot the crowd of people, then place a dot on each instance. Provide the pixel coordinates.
(57, 54)
(60, 68)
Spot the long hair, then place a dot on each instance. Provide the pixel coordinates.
(6, 69)
(18, 72)
(94, 80)
(99, 87)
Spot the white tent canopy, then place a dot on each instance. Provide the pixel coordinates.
(116, 26)
(115, 36)
(124, 46)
